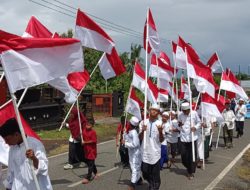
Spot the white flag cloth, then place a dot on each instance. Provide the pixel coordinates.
(184, 88)
(168, 86)
(202, 75)
(211, 107)
(28, 62)
(35, 29)
(162, 95)
(153, 37)
(160, 69)
(140, 83)
(134, 105)
(91, 34)
(230, 83)
(4, 152)
(214, 63)
(111, 65)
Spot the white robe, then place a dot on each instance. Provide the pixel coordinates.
(19, 175)
(132, 142)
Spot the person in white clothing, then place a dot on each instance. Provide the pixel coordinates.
(172, 134)
(228, 125)
(151, 135)
(20, 175)
(189, 122)
(240, 112)
(164, 149)
(132, 142)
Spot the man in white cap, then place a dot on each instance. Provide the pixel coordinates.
(186, 127)
(240, 112)
(151, 147)
(132, 142)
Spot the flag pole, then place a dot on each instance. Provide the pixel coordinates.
(1, 77)
(146, 86)
(67, 115)
(190, 102)
(218, 137)
(24, 138)
(221, 76)
(79, 120)
(196, 104)
(22, 97)
(175, 78)
(106, 84)
(202, 136)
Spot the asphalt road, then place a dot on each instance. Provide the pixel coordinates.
(114, 178)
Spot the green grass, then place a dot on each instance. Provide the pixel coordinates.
(54, 134)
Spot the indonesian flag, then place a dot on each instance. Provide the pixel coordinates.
(211, 107)
(221, 99)
(140, 83)
(230, 83)
(164, 58)
(230, 95)
(162, 95)
(91, 34)
(35, 29)
(168, 86)
(180, 57)
(152, 91)
(201, 74)
(174, 48)
(214, 62)
(7, 112)
(184, 89)
(153, 38)
(78, 80)
(161, 70)
(111, 65)
(28, 62)
(134, 105)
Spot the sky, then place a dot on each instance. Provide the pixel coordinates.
(209, 25)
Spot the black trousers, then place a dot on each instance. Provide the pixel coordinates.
(228, 136)
(239, 127)
(124, 154)
(76, 153)
(173, 149)
(91, 169)
(151, 173)
(187, 156)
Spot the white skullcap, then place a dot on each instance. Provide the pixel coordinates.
(173, 112)
(241, 99)
(185, 106)
(161, 110)
(165, 113)
(134, 121)
(155, 107)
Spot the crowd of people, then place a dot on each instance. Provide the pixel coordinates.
(144, 146)
(148, 144)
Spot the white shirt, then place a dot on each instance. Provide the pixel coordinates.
(164, 125)
(185, 129)
(172, 137)
(19, 175)
(229, 118)
(152, 153)
(4, 152)
(208, 121)
(240, 114)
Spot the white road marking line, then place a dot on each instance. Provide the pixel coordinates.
(213, 184)
(100, 174)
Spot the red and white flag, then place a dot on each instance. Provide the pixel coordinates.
(153, 37)
(211, 107)
(164, 58)
(78, 80)
(161, 69)
(230, 83)
(214, 63)
(35, 29)
(162, 95)
(28, 62)
(203, 78)
(140, 83)
(174, 48)
(111, 65)
(134, 105)
(152, 91)
(180, 56)
(168, 86)
(91, 34)
(184, 89)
